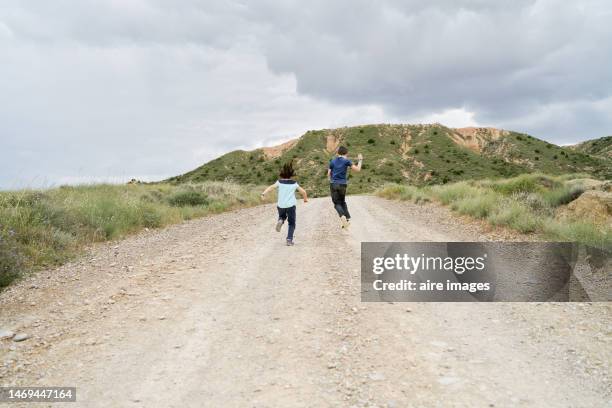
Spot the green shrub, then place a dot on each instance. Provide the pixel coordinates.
(454, 192)
(579, 231)
(515, 215)
(479, 206)
(188, 198)
(391, 191)
(151, 217)
(219, 206)
(11, 260)
(529, 183)
(562, 195)
(404, 193)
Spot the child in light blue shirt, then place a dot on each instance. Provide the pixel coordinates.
(286, 204)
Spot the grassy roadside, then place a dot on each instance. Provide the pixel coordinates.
(44, 228)
(526, 203)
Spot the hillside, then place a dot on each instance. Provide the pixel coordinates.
(417, 154)
(601, 147)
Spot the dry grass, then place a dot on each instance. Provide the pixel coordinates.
(526, 203)
(43, 228)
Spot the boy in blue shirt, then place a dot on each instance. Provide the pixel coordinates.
(286, 199)
(338, 180)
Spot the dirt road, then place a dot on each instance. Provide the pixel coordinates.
(218, 312)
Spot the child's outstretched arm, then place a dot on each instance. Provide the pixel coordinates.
(267, 190)
(303, 193)
(359, 162)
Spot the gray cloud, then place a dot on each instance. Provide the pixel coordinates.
(151, 88)
(500, 59)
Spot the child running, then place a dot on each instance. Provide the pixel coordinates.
(338, 180)
(286, 199)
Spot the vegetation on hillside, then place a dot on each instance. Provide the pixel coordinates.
(45, 228)
(415, 154)
(527, 203)
(601, 147)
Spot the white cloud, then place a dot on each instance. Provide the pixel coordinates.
(455, 118)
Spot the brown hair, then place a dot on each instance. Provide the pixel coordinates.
(342, 150)
(287, 171)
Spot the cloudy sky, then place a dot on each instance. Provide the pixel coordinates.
(114, 89)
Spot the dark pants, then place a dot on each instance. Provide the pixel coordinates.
(288, 213)
(338, 193)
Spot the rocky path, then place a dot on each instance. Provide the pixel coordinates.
(219, 312)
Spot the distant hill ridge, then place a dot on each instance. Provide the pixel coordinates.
(601, 147)
(416, 154)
